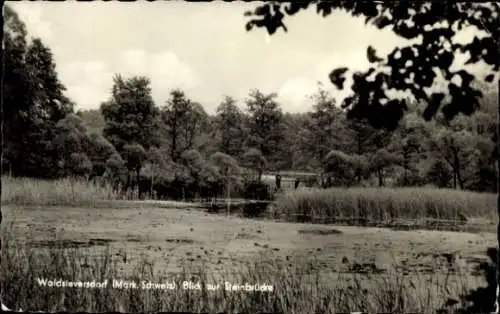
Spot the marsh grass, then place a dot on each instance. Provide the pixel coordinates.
(302, 205)
(297, 286)
(61, 192)
(383, 204)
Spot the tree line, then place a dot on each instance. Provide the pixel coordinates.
(178, 150)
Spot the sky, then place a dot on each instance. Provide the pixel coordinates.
(202, 48)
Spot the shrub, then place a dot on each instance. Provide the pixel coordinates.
(254, 209)
(256, 190)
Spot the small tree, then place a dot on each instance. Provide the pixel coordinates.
(184, 120)
(380, 161)
(254, 160)
(211, 179)
(135, 155)
(193, 163)
(115, 170)
(156, 164)
(338, 167)
(326, 125)
(265, 125)
(130, 114)
(230, 125)
(69, 137)
(99, 151)
(456, 149)
(439, 174)
(230, 173)
(80, 165)
(409, 144)
(361, 167)
(484, 166)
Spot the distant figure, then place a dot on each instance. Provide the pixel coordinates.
(278, 182)
(297, 182)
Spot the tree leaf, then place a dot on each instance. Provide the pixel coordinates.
(489, 78)
(337, 77)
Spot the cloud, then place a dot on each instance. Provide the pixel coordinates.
(32, 16)
(165, 70)
(88, 82)
(294, 93)
(133, 61)
(207, 60)
(74, 71)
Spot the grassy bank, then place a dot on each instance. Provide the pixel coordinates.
(316, 205)
(62, 192)
(383, 204)
(297, 287)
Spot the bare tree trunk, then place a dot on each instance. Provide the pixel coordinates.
(128, 185)
(454, 178)
(458, 178)
(228, 195)
(406, 165)
(380, 178)
(151, 187)
(137, 171)
(358, 176)
(173, 147)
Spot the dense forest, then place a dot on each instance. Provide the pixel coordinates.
(131, 139)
